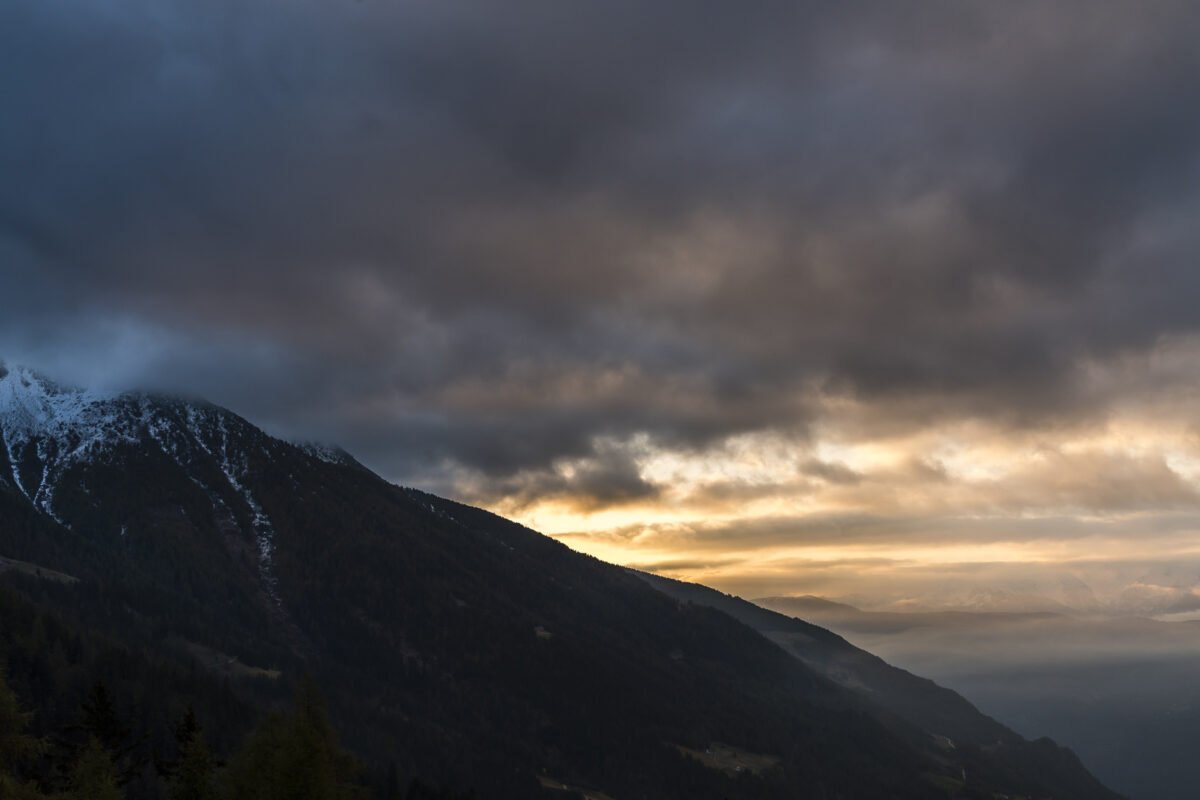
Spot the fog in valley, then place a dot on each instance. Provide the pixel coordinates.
(1117, 687)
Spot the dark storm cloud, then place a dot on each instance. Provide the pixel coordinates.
(609, 477)
(831, 472)
(473, 239)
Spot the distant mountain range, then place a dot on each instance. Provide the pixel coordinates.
(1155, 590)
(452, 645)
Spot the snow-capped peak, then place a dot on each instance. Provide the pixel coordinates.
(47, 430)
(33, 405)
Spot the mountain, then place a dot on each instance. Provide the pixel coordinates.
(1115, 590)
(843, 615)
(943, 714)
(450, 643)
(1121, 690)
(938, 711)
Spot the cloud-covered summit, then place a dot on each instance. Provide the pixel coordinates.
(589, 254)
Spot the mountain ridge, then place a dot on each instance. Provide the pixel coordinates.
(450, 640)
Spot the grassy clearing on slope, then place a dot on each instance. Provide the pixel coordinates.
(35, 570)
(221, 663)
(557, 785)
(729, 759)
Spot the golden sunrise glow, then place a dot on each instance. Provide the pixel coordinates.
(850, 500)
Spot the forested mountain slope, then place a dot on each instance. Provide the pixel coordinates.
(943, 714)
(450, 643)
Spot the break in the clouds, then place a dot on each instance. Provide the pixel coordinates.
(704, 265)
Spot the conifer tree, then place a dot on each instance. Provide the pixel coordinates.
(94, 775)
(191, 775)
(194, 778)
(16, 747)
(100, 723)
(294, 757)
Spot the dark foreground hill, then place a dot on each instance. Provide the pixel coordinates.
(451, 645)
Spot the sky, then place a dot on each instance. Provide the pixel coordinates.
(887, 302)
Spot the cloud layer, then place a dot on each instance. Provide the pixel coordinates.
(762, 262)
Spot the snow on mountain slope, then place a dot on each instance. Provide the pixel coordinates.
(48, 429)
(43, 424)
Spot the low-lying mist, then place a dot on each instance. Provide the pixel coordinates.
(1122, 691)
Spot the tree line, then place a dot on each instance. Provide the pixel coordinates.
(292, 755)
